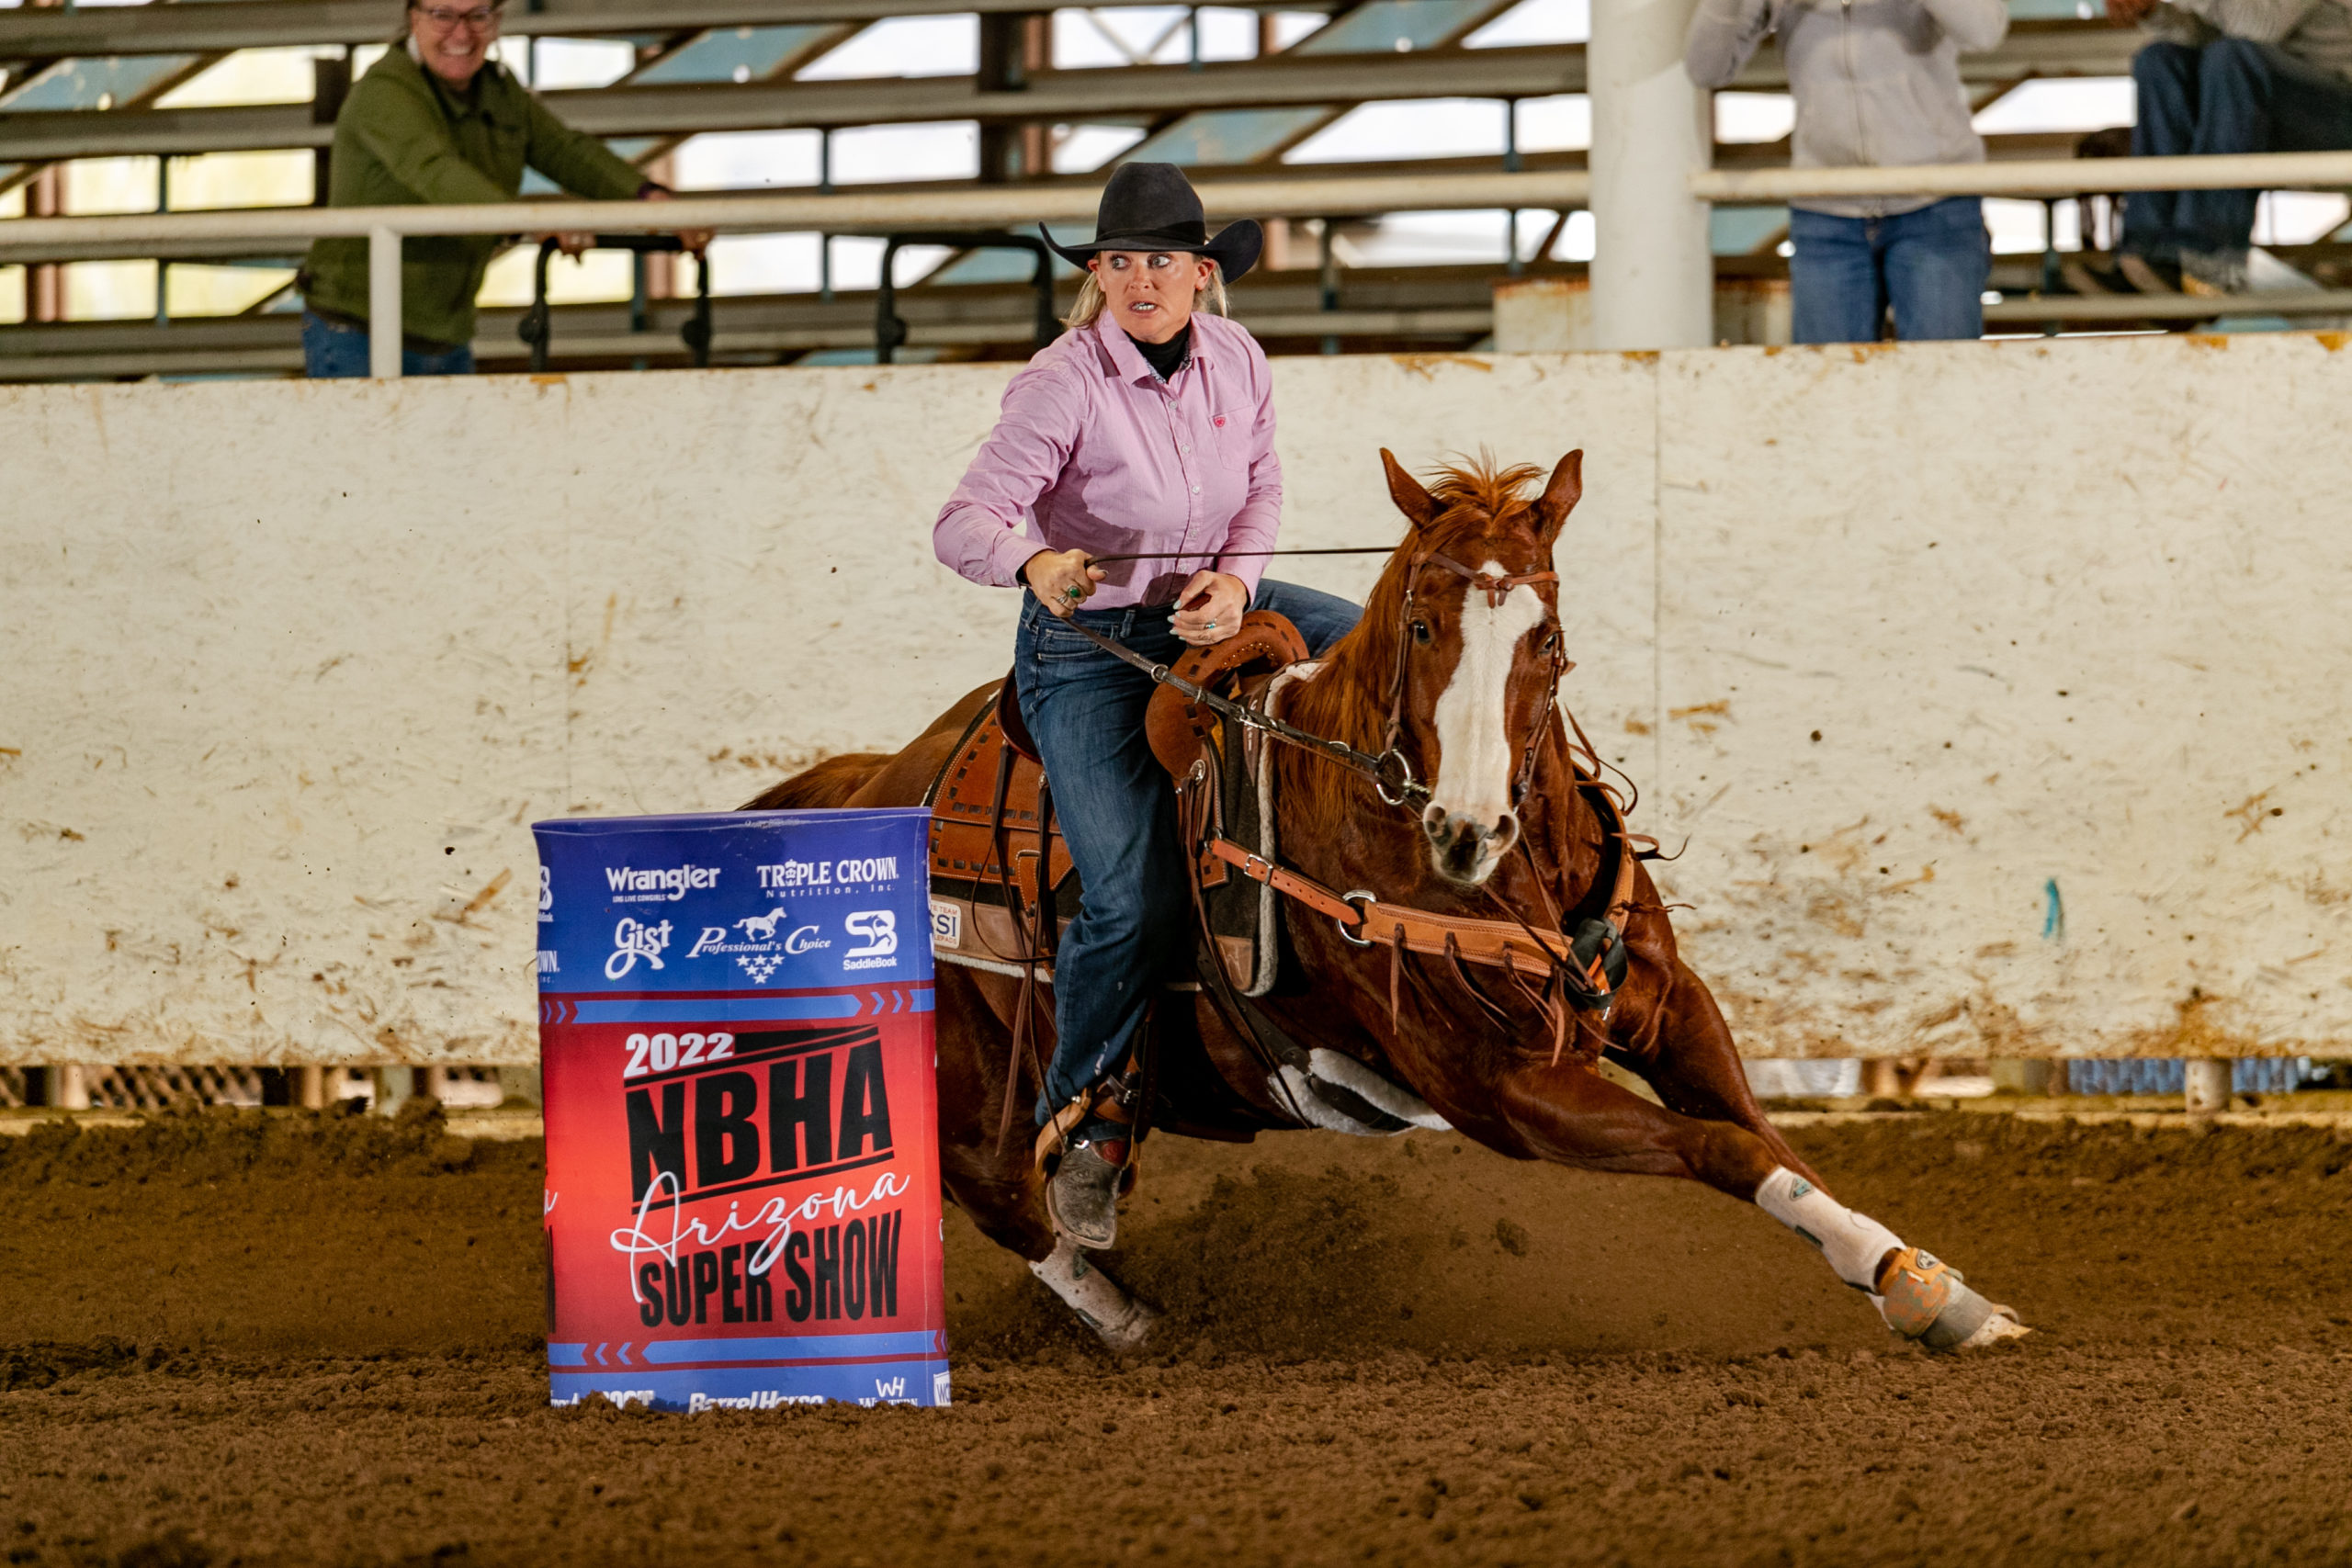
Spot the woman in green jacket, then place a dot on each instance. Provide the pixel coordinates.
(438, 122)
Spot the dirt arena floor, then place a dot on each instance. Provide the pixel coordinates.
(250, 1340)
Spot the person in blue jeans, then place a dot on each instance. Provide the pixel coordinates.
(1928, 266)
(1130, 486)
(338, 350)
(2225, 76)
(1876, 84)
(1117, 812)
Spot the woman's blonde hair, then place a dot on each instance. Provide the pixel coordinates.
(1209, 297)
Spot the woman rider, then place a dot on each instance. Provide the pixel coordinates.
(1149, 427)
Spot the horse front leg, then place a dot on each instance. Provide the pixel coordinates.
(1695, 1067)
(1569, 1114)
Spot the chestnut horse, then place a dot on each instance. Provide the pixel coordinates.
(1454, 666)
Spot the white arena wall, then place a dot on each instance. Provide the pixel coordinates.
(2001, 691)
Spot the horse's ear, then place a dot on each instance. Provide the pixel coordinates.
(1560, 496)
(1416, 502)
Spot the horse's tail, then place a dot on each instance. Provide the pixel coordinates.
(830, 783)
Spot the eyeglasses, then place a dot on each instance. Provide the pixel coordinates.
(480, 18)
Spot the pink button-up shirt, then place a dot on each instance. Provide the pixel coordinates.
(1095, 453)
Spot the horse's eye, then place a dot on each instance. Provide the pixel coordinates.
(1421, 632)
(1552, 643)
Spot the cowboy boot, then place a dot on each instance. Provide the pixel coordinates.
(1096, 1166)
(1083, 1198)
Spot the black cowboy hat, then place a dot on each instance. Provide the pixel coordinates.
(1152, 207)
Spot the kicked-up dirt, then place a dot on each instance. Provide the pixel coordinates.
(248, 1339)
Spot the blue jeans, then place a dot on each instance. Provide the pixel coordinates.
(332, 351)
(1930, 264)
(1085, 710)
(2231, 95)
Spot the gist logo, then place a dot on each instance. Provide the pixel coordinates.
(633, 940)
(880, 930)
(631, 886)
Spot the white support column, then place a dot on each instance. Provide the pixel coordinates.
(395, 1086)
(2207, 1085)
(383, 304)
(1652, 270)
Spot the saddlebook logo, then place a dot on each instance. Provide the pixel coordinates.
(880, 930)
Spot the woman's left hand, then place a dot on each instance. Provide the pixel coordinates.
(1222, 601)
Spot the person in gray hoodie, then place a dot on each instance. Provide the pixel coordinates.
(2225, 76)
(1877, 83)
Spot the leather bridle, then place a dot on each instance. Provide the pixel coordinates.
(1496, 589)
(1580, 972)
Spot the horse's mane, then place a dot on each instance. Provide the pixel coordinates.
(1349, 699)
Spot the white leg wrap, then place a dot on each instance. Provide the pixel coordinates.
(1098, 1298)
(1852, 1244)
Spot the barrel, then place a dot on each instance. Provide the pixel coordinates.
(743, 1201)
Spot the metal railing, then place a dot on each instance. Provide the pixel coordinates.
(1339, 195)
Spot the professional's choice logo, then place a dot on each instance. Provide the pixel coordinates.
(547, 895)
(879, 928)
(667, 886)
(760, 953)
(761, 928)
(633, 940)
(946, 924)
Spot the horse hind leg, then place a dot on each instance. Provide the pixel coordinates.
(1697, 1072)
(996, 1184)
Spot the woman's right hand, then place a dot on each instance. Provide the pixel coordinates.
(1062, 580)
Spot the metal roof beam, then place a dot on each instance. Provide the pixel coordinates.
(765, 106)
(1279, 81)
(27, 33)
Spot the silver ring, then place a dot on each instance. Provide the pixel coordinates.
(1212, 625)
(1362, 901)
(1072, 593)
(1406, 785)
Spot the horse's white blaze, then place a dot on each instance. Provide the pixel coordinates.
(1475, 758)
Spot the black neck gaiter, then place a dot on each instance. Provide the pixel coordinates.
(1165, 358)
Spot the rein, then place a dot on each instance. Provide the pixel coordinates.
(1580, 973)
(1394, 788)
(1390, 775)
